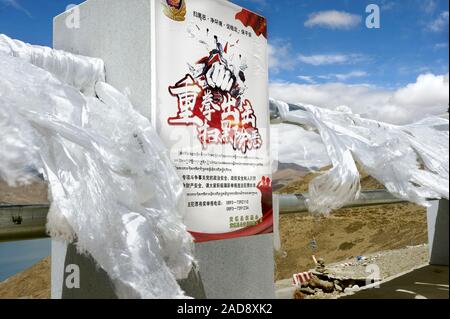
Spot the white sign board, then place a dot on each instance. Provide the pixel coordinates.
(211, 110)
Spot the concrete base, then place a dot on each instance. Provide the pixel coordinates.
(94, 282)
(438, 236)
(241, 268)
(223, 274)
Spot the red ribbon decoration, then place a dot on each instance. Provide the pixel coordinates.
(256, 22)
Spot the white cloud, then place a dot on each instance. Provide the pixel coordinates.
(440, 23)
(429, 6)
(442, 45)
(16, 5)
(328, 59)
(323, 59)
(333, 19)
(280, 57)
(429, 95)
(427, 91)
(293, 144)
(306, 78)
(333, 76)
(349, 75)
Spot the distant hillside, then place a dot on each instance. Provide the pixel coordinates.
(301, 185)
(292, 166)
(287, 173)
(33, 283)
(25, 195)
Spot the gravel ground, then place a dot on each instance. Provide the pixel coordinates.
(348, 233)
(390, 263)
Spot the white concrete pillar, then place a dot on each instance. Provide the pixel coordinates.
(119, 32)
(438, 228)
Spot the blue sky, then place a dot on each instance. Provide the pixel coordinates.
(412, 40)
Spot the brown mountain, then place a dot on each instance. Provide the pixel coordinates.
(35, 193)
(287, 173)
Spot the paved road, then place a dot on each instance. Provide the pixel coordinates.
(429, 282)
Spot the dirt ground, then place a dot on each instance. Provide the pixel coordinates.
(344, 235)
(301, 185)
(348, 233)
(33, 283)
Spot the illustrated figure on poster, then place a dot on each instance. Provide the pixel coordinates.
(211, 98)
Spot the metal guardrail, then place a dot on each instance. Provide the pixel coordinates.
(24, 222)
(294, 204)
